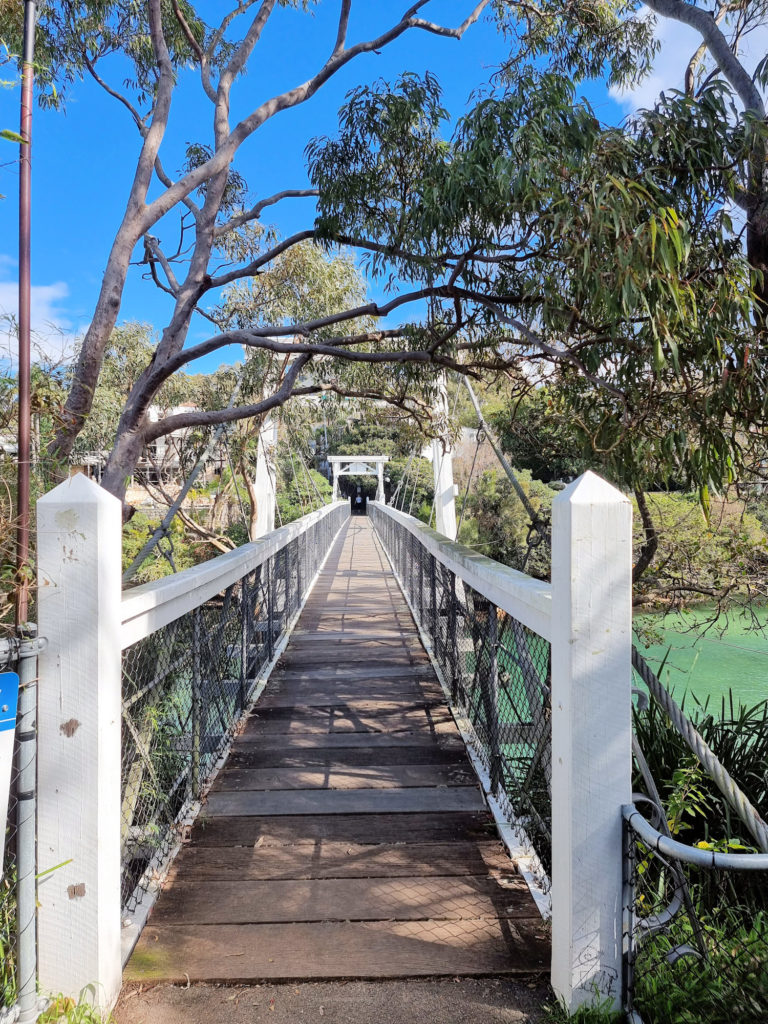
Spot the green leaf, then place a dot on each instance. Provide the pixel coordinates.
(10, 136)
(659, 361)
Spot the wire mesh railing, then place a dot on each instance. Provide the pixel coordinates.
(498, 673)
(8, 898)
(187, 684)
(696, 914)
(696, 939)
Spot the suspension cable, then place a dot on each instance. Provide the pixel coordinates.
(706, 756)
(442, 459)
(403, 478)
(165, 522)
(539, 526)
(415, 485)
(312, 483)
(478, 443)
(296, 483)
(238, 495)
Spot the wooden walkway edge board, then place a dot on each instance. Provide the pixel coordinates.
(344, 899)
(361, 777)
(278, 830)
(327, 859)
(347, 836)
(245, 954)
(280, 803)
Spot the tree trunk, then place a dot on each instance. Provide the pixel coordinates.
(651, 543)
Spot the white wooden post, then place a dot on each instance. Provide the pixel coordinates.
(380, 484)
(79, 541)
(335, 495)
(591, 735)
(442, 471)
(264, 481)
(445, 493)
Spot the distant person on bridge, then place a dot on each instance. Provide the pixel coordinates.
(359, 502)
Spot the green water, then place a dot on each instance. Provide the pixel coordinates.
(731, 655)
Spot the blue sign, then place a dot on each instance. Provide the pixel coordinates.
(9, 700)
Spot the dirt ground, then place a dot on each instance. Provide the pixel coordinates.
(443, 1001)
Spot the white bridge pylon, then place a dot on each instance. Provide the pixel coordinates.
(359, 465)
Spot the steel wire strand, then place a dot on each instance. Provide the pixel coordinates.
(403, 480)
(478, 444)
(707, 757)
(416, 482)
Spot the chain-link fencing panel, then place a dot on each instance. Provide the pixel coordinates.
(697, 937)
(498, 672)
(185, 689)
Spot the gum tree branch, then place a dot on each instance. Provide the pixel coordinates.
(256, 211)
(717, 44)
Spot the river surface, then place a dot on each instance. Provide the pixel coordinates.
(730, 655)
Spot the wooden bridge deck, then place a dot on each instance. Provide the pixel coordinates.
(347, 836)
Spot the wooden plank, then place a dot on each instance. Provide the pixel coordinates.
(360, 705)
(322, 859)
(221, 804)
(363, 646)
(403, 672)
(245, 954)
(314, 656)
(363, 777)
(342, 828)
(350, 719)
(350, 634)
(349, 741)
(251, 755)
(298, 695)
(212, 902)
(315, 620)
(339, 606)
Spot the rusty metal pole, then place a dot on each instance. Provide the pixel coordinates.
(25, 310)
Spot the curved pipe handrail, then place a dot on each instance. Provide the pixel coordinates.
(691, 854)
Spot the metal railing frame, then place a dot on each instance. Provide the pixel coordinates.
(89, 623)
(672, 853)
(148, 608)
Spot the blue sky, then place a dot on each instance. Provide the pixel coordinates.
(83, 159)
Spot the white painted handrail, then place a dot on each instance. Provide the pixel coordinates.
(151, 606)
(586, 614)
(524, 598)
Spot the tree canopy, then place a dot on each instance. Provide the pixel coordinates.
(545, 246)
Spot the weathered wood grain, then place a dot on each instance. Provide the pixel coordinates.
(343, 828)
(324, 859)
(362, 716)
(414, 800)
(312, 694)
(207, 902)
(254, 755)
(372, 949)
(363, 777)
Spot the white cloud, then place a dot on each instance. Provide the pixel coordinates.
(678, 44)
(53, 334)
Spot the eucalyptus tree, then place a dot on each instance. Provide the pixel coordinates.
(600, 259)
(160, 40)
(543, 242)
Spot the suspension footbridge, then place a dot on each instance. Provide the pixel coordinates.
(352, 748)
(347, 835)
